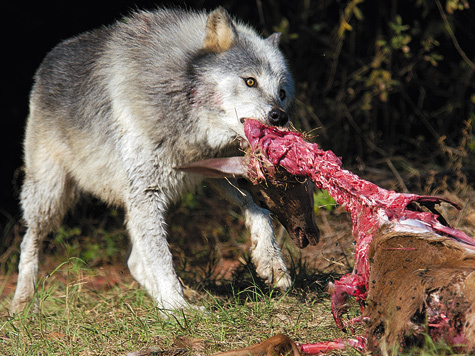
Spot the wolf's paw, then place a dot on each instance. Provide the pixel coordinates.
(166, 313)
(275, 272)
(177, 304)
(18, 306)
(282, 280)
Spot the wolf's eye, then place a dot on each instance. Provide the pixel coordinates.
(282, 94)
(250, 82)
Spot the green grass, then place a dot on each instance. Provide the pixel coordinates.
(90, 305)
(75, 320)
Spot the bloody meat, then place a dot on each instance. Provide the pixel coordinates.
(371, 207)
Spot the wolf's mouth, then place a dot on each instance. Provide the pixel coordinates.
(243, 143)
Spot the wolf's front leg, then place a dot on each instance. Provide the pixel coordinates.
(150, 261)
(265, 253)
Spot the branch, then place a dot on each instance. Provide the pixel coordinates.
(452, 36)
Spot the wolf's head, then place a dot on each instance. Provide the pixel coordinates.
(238, 74)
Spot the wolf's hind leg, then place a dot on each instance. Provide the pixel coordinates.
(46, 195)
(265, 253)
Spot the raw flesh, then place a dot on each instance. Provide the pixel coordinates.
(370, 206)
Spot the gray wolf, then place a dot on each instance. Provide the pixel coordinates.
(114, 110)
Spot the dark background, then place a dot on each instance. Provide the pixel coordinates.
(418, 113)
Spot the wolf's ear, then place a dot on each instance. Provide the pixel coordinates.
(220, 31)
(274, 39)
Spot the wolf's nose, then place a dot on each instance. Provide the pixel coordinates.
(278, 117)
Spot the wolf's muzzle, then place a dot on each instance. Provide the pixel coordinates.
(278, 117)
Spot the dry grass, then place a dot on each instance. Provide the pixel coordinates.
(98, 309)
(79, 316)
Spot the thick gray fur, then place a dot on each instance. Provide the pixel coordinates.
(114, 110)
